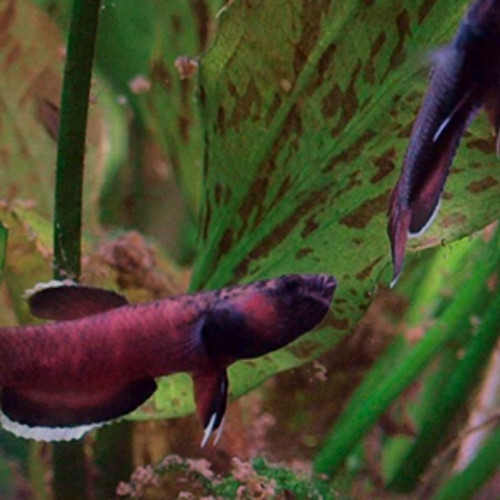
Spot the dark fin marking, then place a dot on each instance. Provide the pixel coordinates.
(210, 394)
(71, 409)
(426, 197)
(68, 302)
(464, 102)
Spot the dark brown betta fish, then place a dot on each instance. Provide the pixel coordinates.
(99, 359)
(466, 77)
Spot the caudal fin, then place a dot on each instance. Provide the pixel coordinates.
(58, 415)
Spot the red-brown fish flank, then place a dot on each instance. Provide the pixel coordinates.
(466, 77)
(61, 379)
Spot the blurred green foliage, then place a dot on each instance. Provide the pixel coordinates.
(276, 155)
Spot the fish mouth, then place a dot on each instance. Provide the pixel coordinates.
(329, 284)
(323, 286)
(312, 291)
(320, 288)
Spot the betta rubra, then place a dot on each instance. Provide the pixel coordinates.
(98, 361)
(466, 77)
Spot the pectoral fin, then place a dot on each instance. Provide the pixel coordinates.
(63, 301)
(210, 392)
(46, 415)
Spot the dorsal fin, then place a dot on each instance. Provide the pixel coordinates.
(210, 394)
(58, 415)
(66, 301)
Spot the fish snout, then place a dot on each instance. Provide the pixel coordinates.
(329, 283)
(322, 286)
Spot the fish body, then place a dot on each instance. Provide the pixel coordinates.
(466, 77)
(99, 359)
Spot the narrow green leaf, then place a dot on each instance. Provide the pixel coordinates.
(366, 409)
(448, 270)
(465, 484)
(453, 398)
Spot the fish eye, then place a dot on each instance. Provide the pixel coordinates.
(291, 284)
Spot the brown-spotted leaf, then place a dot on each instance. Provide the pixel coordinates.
(308, 106)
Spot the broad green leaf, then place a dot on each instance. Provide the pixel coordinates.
(307, 109)
(172, 399)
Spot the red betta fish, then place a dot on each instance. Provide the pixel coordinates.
(466, 77)
(98, 361)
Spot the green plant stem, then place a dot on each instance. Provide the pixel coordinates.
(71, 145)
(70, 471)
(367, 407)
(112, 458)
(453, 398)
(69, 458)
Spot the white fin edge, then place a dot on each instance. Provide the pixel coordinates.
(219, 431)
(447, 120)
(47, 433)
(443, 125)
(48, 284)
(208, 430)
(394, 281)
(429, 222)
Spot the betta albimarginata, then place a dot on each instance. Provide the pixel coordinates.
(99, 359)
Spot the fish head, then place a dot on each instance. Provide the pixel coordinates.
(253, 320)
